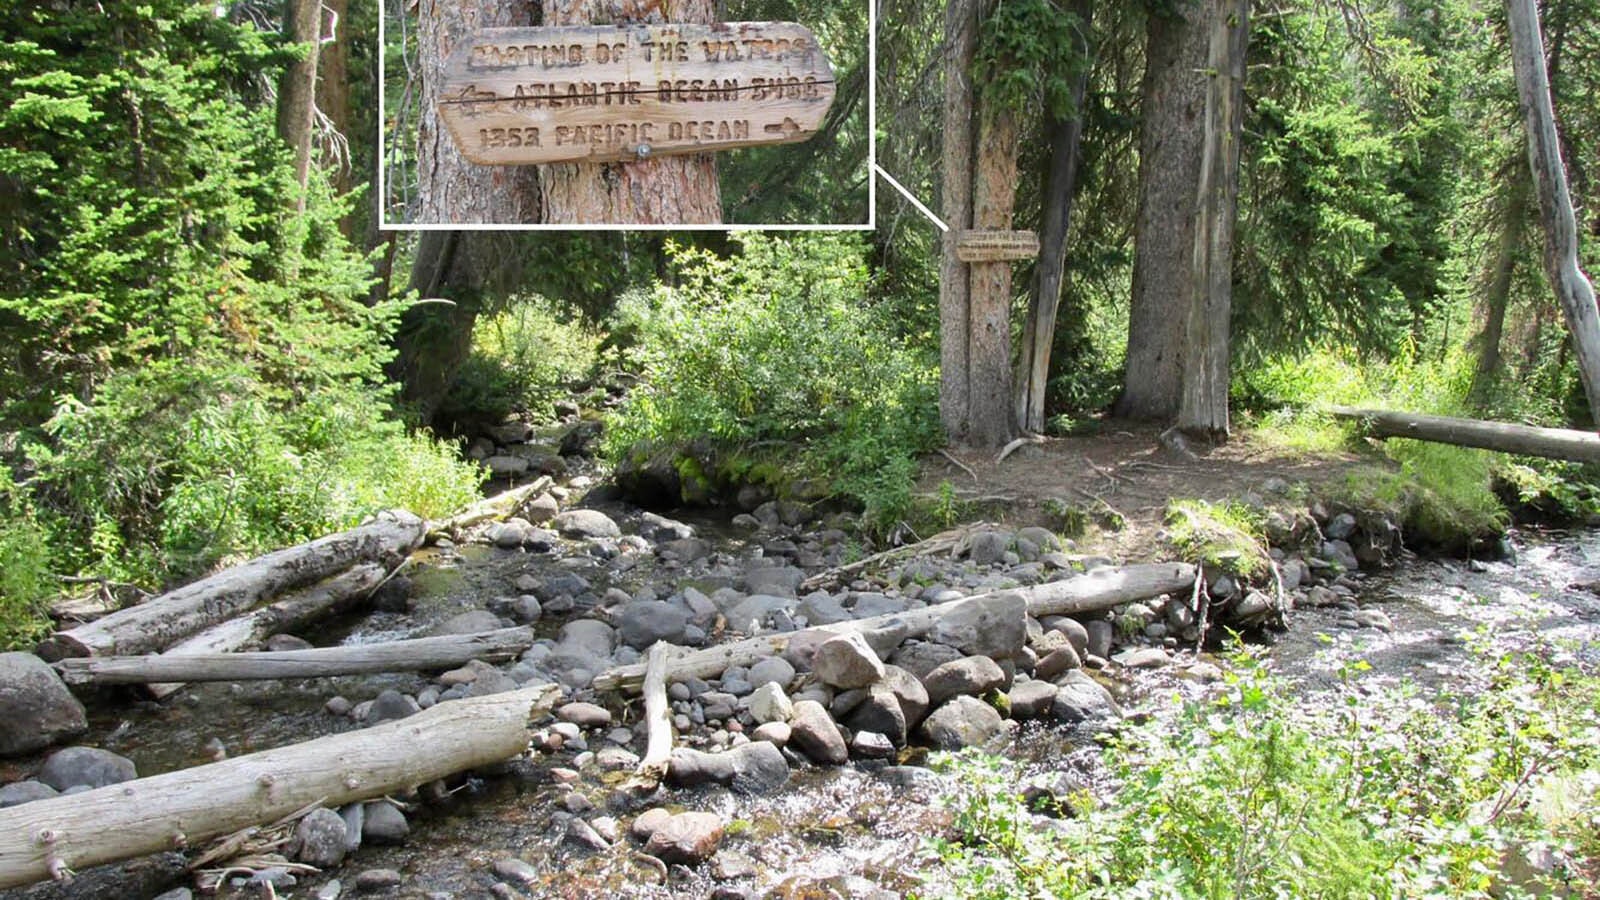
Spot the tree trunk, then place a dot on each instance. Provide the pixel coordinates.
(49, 838)
(1552, 443)
(990, 419)
(156, 624)
(1204, 408)
(452, 190)
(414, 655)
(297, 88)
(1038, 331)
(1572, 287)
(960, 36)
(666, 190)
(1170, 148)
(1498, 296)
(333, 98)
(1097, 590)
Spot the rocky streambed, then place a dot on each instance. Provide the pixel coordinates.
(798, 775)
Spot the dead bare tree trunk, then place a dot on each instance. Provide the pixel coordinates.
(1525, 440)
(960, 38)
(1038, 331)
(1572, 286)
(297, 88)
(1204, 406)
(1170, 148)
(663, 190)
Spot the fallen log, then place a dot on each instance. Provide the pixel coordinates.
(289, 612)
(417, 654)
(178, 810)
(1527, 440)
(503, 505)
(942, 542)
(1100, 589)
(167, 619)
(657, 717)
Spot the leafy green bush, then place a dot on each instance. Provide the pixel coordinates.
(1256, 794)
(26, 579)
(523, 360)
(774, 354)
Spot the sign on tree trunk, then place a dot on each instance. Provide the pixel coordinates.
(518, 96)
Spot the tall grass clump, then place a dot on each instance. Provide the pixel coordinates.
(775, 357)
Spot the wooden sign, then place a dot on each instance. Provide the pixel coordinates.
(603, 93)
(996, 246)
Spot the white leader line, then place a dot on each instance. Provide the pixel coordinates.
(914, 201)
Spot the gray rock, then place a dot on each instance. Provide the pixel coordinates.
(1340, 552)
(1374, 618)
(686, 549)
(1340, 527)
(586, 523)
(541, 509)
(758, 768)
(1143, 658)
(641, 624)
(962, 722)
(1032, 699)
(773, 669)
(775, 733)
(782, 581)
(507, 466)
(1057, 661)
(1043, 538)
(584, 715)
(972, 676)
(769, 703)
(758, 609)
(36, 709)
(873, 604)
(355, 821)
(391, 705)
(822, 608)
(847, 662)
(470, 622)
(20, 792)
(320, 839)
(688, 838)
(660, 529)
(921, 657)
(880, 713)
(1080, 698)
(689, 767)
(514, 869)
(871, 745)
(183, 893)
(987, 547)
(647, 822)
(1100, 634)
(281, 642)
(907, 689)
(490, 680)
(384, 823)
(813, 732)
(85, 766)
(584, 835)
(994, 626)
(1074, 630)
(374, 880)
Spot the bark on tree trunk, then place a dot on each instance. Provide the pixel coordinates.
(1572, 286)
(990, 419)
(49, 838)
(297, 89)
(1204, 408)
(1170, 142)
(452, 190)
(333, 97)
(665, 190)
(1552, 443)
(1498, 296)
(960, 35)
(1038, 331)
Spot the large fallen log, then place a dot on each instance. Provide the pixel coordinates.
(1527, 440)
(167, 619)
(50, 838)
(1097, 590)
(417, 654)
(503, 505)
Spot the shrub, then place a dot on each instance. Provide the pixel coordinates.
(26, 579)
(523, 360)
(774, 356)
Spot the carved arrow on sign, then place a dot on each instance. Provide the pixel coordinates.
(518, 96)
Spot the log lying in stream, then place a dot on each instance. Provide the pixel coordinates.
(1552, 443)
(503, 505)
(417, 654)
(1097, 590)
(49, 838)
(171, 617)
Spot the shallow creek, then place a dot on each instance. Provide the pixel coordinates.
(846, 832)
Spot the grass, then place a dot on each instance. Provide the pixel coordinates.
(1226, 536)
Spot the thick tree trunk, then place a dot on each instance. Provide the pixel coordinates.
(1572, 286)
(297, 88)
(1100, 589)
(1170, 148)
(1552, 443)
(333, 98)
(417, 654)
(990, 419)
(452, 190)
(1204, 408)
(1038, 331)
(48, 838)
(665, 190)
(960, 37)
(1498, 296)
(158, 623)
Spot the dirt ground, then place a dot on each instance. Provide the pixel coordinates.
(1126, 470)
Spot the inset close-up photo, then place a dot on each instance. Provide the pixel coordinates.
(750, 113)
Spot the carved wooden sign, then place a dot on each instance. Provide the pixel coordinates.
(602, 93)
(996, 246)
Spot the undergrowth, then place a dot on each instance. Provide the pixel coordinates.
(524, 358)
(1225, 536)
(1377, 792)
